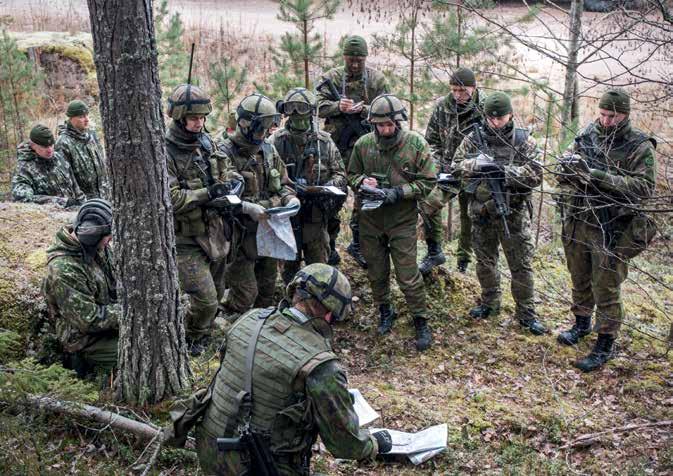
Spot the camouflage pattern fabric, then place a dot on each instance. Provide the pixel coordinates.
(446, 129)
(523, 173)
(43, 180)
(86, 157)
(200, 233)
(81, 299)
(389, 232)
(299, 392)
(252, 279)
(597, 265)
(329, 170)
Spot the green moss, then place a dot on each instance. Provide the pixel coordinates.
(78, 54)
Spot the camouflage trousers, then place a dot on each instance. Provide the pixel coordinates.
(597, 276)
(381, 244)
(434, 230)
(315, 249)
(251, 279)
(101, 355)
(203, 281)
(488, 235)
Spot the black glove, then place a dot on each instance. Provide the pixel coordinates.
(218, 190)
(393, 195)
(384, 440)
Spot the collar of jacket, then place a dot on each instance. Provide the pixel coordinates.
(611, 134)
(502, 136)
(182, 138)
(245, 148)
(463, 109)
(71, 131)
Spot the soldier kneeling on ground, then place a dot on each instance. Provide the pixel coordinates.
(279, 386)
(80, 289)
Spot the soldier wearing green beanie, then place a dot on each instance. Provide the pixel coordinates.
(453, 117)
(80, 146)
(42, 174)
(357, 86)
(497, 143)
(611, 163)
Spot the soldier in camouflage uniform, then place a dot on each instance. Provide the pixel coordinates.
(297, 391)
(454, 117)
(398, 164)
(515, 154)
(357, 85)
(42, 174)
(79, 145)
(601, 187)
(80, 289)
(251, 278)
(198, 176)
(298, 143)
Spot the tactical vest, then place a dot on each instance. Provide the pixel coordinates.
(302, 162)
(261, 180)
(503, 153)
(288, 350)
(612, 157)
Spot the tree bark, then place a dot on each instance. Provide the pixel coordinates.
(570, 88)
(153, 359)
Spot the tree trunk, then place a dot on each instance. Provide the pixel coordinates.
(305, 31)
(153, 359)
(569, 89)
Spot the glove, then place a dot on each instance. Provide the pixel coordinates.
(218, 190)
(294, 202)
(393, 195)
(384, 440)
(371, 193)
(254, 211)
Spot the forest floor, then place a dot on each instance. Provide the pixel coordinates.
(512, 401)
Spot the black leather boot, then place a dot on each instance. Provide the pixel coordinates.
(423, 334)
(482, 311)
(333, 259)
(600, 354)
(573, 335)
(533, 325)
(462, 264)
(435, 257)
(354, 249)
(388, 315)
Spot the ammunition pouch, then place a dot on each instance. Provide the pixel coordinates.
(636, 235)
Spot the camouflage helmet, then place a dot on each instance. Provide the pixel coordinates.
(386, 107)
(325, 284)
(298, 100)
(256, 113)
(187, 99)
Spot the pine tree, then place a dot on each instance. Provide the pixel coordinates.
(227, 82)
(173, 56)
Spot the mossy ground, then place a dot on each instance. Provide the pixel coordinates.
(511, 400)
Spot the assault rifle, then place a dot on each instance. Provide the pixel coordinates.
(355, 128)
(487, 170)
(448, 183)
(230, 202)
(261, 459)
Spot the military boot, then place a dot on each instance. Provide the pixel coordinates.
(354, 249)
(462, 264)
(573, 335)
(599, 355)
(482, 311)
(197, 346)
(423, 334)
(435, 257)
(533, 325)
(333, 259)
(387, 316)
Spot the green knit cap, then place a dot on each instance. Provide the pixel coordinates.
(616, 100)
(355, 46)
(77, 108)
(497, 104)
(42, 135)
(463, 77)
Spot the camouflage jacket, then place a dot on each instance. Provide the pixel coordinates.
(407, 165)
(513, 149)
(299, 392)
(300, 155)
(193, 165)
(81, 297)
(623, 171)
(372, 84)
(449, 124)
(42, 180)
(86, 157)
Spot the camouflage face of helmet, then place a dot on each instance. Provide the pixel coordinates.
(325, 284)
(386, 107)
(255, 115)
(187, 100)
